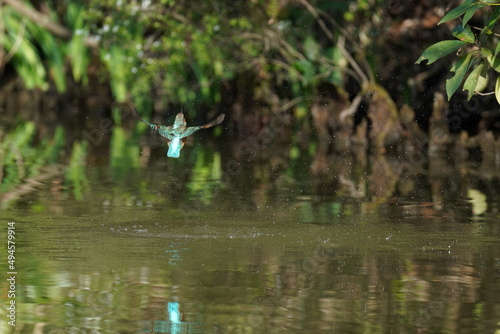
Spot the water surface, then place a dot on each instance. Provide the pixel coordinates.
(297, 254)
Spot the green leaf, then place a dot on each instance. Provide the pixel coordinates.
(497, 49)
(53, 52)
(470, 83)
(470, 12)
(484, 36)
(494, 17)
(460, 68)
(482, 83)
(439, 50)
(494, 63)
(464, 33)
(459, 11)
(485, 52)
(29, 65)
(497, 90)
(79, 55)
(311, 48)
(77, 50)
(114, 58)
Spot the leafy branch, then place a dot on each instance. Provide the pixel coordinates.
(46, 22)
(477, 54)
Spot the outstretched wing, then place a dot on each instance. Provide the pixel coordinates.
(177, 132)
(192, 129)
(164, 131)
(215, 122)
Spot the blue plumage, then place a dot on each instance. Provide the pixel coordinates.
(177, 132)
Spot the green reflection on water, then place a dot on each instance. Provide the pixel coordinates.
(206, 177)
(76, 173)
(301, 260)
(125, 152)
(20, 160)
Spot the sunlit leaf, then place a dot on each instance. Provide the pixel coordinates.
(77, 50)
(115, 62)
(494, 62)
(80, 58)
(470, 83)
(460, 68)
(482, 81)
(497, 89)
(29, 66)
(478, 201)
(439, 50)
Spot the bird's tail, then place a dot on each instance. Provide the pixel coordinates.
(174, 147)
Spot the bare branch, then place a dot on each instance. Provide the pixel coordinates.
(484, 94)
(341, 46)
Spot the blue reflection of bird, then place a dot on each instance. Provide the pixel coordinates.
(176, 134)
(174, 315)
(175, 323)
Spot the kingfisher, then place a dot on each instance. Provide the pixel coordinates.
(176, 134)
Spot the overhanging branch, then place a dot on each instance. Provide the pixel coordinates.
(45, 22)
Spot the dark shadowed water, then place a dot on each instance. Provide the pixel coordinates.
(364, 253)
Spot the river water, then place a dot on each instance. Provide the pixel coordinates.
(181, 246)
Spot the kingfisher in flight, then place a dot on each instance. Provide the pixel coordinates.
(176, 134)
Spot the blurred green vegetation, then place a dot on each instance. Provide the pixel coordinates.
(184, 52)
(38, 54)
(283, 71)
(171, 52)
